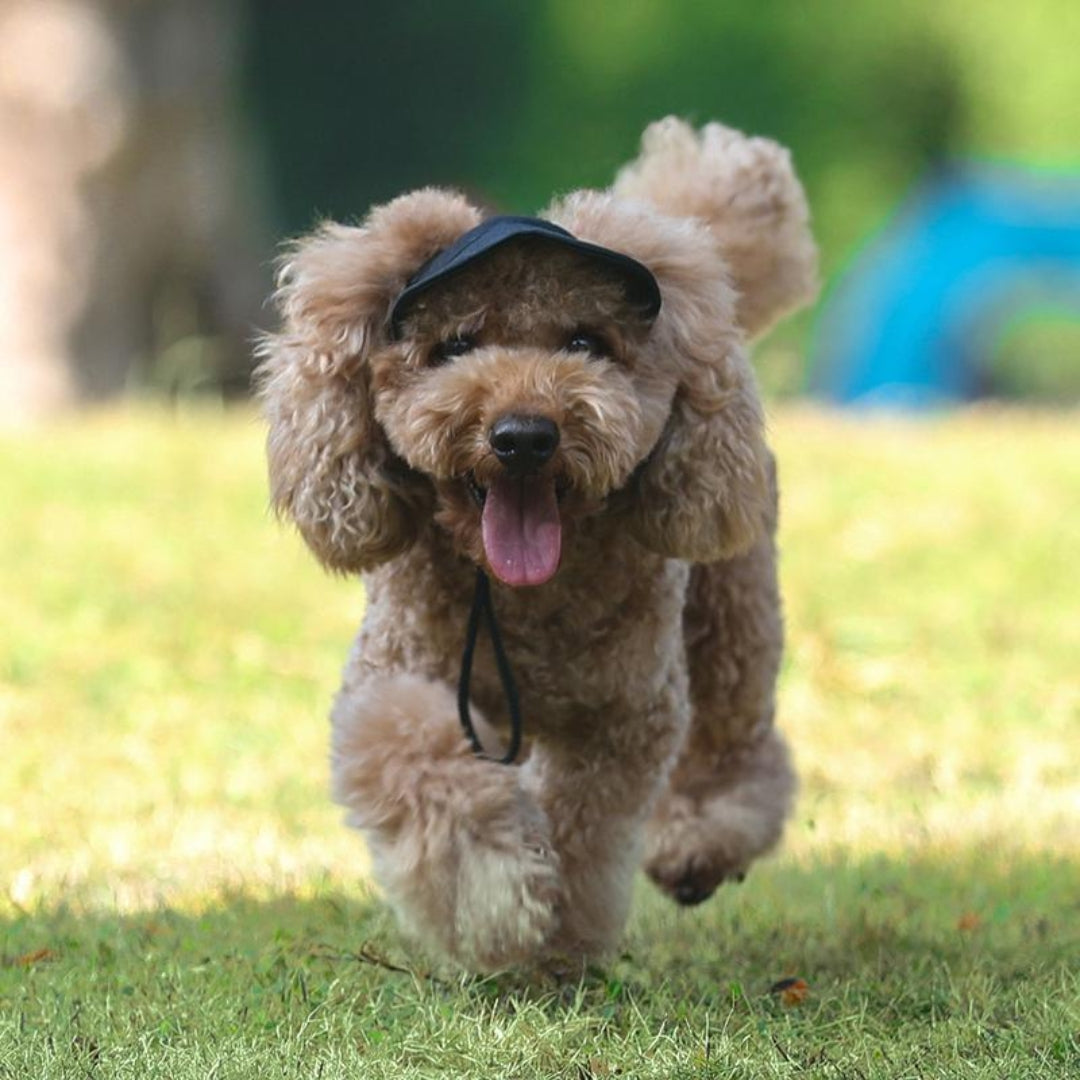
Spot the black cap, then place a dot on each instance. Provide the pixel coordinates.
(641, 287)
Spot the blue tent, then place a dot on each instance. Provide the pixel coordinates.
(914, 318)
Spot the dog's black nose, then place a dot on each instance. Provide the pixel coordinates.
(523, 443)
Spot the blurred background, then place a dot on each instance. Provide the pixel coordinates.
(154, 152)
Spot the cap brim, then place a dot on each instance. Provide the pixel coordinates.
(638, 281)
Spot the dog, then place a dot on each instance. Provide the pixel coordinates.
(566, 404)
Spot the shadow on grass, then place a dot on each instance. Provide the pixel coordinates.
(988, 941)
(838, 917)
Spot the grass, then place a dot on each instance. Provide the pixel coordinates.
(178, 897)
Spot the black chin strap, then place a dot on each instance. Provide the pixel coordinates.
(482, 607)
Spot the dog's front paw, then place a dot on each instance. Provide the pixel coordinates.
(507, 893)
(462, 852)
(474, 877)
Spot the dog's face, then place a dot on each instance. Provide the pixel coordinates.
(517, 398)
(524, 388)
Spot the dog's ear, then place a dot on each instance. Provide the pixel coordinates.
(703, 493)
(331, 468)
(746, 191)
(745, 258)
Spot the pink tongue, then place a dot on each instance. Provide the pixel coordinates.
(521, 529)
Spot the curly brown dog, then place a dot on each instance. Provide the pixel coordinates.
(530, 415)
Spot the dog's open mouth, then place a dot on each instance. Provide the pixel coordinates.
(520, 526)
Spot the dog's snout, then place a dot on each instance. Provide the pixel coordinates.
(523, 444)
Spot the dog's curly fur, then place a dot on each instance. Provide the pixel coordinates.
(646, 666)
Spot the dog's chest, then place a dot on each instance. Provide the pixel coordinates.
(609, 642)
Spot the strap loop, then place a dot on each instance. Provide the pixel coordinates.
(482, 607)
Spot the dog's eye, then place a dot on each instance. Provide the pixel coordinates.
(446, 350)
(587, 341)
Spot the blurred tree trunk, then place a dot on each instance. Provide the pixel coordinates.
(130, 249)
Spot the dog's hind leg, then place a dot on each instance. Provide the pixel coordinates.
(733, 785)
(461, 849)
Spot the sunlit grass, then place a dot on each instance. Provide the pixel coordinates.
(934, 611)
(167, 656)
(177, 892)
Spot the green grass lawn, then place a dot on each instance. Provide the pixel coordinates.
(178, 897)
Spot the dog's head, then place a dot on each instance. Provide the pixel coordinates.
(527, 391)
